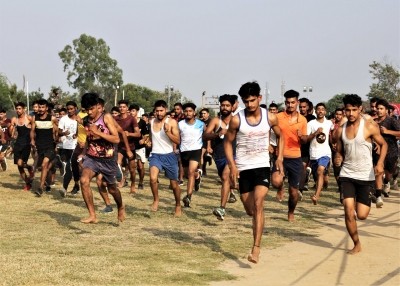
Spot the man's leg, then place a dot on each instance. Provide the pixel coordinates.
(132, 171)
(351, 224)
(177, 195)
(292, 202)
(253, 203)
(114, 191)
(219, 212)
(86, 177)
(191, 175)
(141, 171)
(320, 184)
(154, 171)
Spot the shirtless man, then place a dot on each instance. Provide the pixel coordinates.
(354, 153)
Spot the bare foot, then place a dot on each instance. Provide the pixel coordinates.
(154, 206)
(89, 220)
(255, 255)
(280, 195)
(133, 189)
(290, 217)
(178, 211)
(121, 214)
(314, 199)
(355, 250)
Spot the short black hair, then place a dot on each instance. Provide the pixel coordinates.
(89, 99)
(178, 104)
(160, 103)
(352, 99)
(123, 101)
(320, 104)
(273, 104)
(384, 103)
(134, 106)
(303, 99)
(2, 109)
(374, 99)
(291, 93)
(227, 97)
(190, 105)
(115, 108)
(43, 102)
(73, 103)
(339, 109)
(249, 89)
(20, 103)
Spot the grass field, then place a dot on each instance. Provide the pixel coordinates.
(43, 241)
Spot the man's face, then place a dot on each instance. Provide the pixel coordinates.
(372, 106)
(178, 110)
(35, 108)
(133, 113)
(225, 108)
(321, 112)
(123, 108)
(160, 112)
(291, 104)
(145, 118)
(3, 115)
(19, 110)
(42, 109)
(303, 107)
(114, 113)
(189, 113)
(352, 112)
(381, 111)
(273, 109)
(93, 111)
(338, 116)
(204, 115)
(71, 110)
(252, 102)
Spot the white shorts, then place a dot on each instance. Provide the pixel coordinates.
(141, 154)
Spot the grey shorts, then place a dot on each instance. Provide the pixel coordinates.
(106, 167)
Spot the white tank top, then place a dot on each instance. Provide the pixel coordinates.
(252, 142)
(357, 162)
(160, 142)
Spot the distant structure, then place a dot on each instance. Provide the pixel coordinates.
(283, 90)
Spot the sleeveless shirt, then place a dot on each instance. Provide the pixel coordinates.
(4, 126)
(97, 146)
(44, 132)
(252, 142)
(357, 163)
(23, 138)
(160, 142)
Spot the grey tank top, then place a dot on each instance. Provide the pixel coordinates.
(357, 163)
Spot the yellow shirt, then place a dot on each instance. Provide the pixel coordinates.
(81, 129)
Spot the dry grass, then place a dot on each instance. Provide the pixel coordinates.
(44, 243)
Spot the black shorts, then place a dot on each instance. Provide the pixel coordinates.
(193, 155)
(125, 155)
(22, 153)
(49, 153)
(254, 177)
(391, 163)
(360, 190)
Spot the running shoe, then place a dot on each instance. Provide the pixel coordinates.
(308, 174)
(39, 192)
(140, 187)
(108, 209)
(48, 189)
(4, 164)
(28, 187)
(75, 190)
(180, 183)
(300, 195)
(386, 190)
(219, 213)
(379, 202)
(395, 186)
(232, 198)
(186, 202)
(31, 173)
(197, 181)
(63, 192)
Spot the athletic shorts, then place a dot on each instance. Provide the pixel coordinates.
(220, 163)
(249, 179)
(21, 153)
(360, 190)
(187, 156)
(293, 170)
(48, 153)
(106, 167)
(125, 155)
(391, 163)
(323, 161)
(167, 163)
(141, 154)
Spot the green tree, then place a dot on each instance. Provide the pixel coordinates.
(387, 85)
(334, 102)
(5, 100)
(89, 66)
(59, 98)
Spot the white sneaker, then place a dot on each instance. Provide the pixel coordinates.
(379, 202)
(386, 190)
(300, 195)
(395, 186)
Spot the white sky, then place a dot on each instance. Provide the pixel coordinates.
(208, 45)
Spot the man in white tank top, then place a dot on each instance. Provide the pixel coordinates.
(163, 134)
(357, 177)
(251, 128)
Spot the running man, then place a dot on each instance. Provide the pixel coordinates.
(164, 133)
(250, 127)
(354, 152)
(101, 137)
(5, 144)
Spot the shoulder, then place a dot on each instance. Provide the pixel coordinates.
(302, 118)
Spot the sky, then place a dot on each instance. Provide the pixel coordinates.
(209, 45)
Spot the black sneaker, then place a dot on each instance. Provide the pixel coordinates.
(75, 190)
(186, 202)
(48, 189)
(108, 209)
(39, 192)
(197, 181)
(140, 187)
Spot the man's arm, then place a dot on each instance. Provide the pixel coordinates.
(273, 121)
(337, 135)
(109, 121)
(209, 133)
(32, 134)
(172, 131)
(375, 134)
(228, 139)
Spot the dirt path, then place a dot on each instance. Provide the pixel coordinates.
(322, 260)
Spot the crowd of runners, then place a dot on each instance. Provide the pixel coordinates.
(253, 147)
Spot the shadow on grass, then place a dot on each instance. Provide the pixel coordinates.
(200, 239)
(65, 220)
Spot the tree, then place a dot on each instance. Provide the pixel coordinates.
(5, 101)
(388, 78)
(334, 102)
(59, 98)
(88, 65)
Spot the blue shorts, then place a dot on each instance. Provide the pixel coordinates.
(106, 167)
(167, 162)
(220, 163)
(293, 170)
(323, 161)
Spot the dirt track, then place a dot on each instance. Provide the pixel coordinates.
(322, 260)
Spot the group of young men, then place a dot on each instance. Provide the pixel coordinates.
(252, 147)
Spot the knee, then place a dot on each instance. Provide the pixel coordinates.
(84, 181)
(361, 216)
